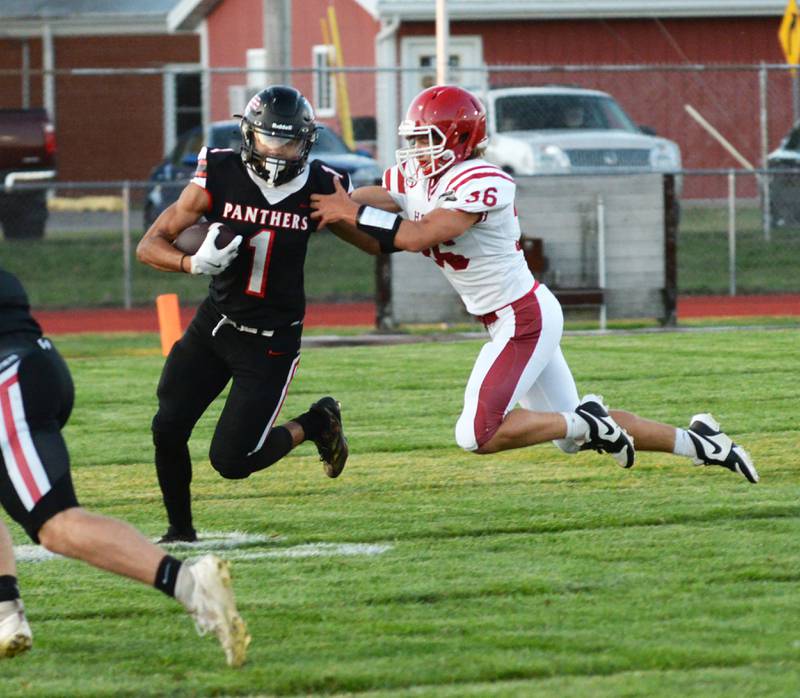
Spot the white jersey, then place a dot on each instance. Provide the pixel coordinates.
(485, 264)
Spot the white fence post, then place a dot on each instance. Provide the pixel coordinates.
(732, 233)
(601, 258)
(126, 246)
(764, 118)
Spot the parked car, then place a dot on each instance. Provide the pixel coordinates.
(170, 176)
(784, 180)
(27, 155)
(555, 129)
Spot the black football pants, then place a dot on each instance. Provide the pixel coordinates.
(36, 397)
(196, 371)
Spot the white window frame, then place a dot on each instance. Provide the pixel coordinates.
(324, 92)
(170, 92)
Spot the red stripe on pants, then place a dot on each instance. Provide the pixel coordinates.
(13, 439)
(503, 377)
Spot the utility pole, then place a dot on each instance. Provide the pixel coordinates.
(442, 42)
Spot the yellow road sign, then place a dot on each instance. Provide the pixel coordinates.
(789, 33)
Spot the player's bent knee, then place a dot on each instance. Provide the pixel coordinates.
(57, 534)
(237, 469)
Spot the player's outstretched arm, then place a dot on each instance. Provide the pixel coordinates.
(353, 236)
(375, 196)
(155, 248)
(391, 232)
(438, 226)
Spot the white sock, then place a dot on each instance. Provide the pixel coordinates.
(9, 608)
(184, 586)
(684, 446)
(577, 428)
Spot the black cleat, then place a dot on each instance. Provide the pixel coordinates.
(331, 443)
(716, 448)
(175, 535)
(605, 435)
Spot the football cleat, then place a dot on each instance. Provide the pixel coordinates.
(213, 607)
(15, 633)
(714, 447)
(605, 435)
(176, 535)
(331, 443)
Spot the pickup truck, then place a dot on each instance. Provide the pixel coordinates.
(27, 155)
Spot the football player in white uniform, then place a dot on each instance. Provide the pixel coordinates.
(443, 200)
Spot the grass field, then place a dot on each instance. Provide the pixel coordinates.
(762, 266)
(528, 573)
(74, 269)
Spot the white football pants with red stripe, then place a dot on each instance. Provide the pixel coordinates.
(521, 364)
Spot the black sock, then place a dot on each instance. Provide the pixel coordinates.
(8, 588)
(313, 424)
(167, 575)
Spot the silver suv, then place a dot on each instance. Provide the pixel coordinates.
(553, 129)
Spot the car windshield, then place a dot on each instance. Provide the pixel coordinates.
(230, 137)
(226, 137)
(329, 142)
(793, 141)
(546, 112)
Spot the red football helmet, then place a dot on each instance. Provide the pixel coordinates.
(452, 120)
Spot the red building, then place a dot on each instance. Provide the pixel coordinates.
(116, 127)
(112, 125)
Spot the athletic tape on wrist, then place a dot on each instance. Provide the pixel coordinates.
(379, 224)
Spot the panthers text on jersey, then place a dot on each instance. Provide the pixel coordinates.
(485, 265)
(264, 285)
(15, 314)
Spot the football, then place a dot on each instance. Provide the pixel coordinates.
(189, 240)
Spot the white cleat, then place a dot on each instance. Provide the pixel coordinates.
(714, 447)
(213, 607)
(15, 633)
(605, 435)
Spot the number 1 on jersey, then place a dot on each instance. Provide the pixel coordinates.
(261, 243)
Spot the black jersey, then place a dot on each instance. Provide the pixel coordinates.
(15, 312)
(264, 286)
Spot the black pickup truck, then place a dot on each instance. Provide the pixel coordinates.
(27, 155)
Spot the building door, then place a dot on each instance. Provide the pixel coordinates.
(466, 66)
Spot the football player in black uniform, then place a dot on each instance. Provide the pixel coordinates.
(36, 396)
(248, 328)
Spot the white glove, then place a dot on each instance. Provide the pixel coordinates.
(208, 259)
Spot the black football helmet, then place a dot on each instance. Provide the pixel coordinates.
(278, 130)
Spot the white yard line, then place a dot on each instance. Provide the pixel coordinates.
(314, 550)
(215, 541)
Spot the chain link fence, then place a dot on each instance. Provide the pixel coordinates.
(739, 230)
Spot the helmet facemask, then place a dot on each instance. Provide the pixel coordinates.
(417, 161)
(272, 156)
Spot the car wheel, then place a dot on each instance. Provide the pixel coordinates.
(24, 215)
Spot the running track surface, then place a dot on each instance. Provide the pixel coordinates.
(363, 314)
